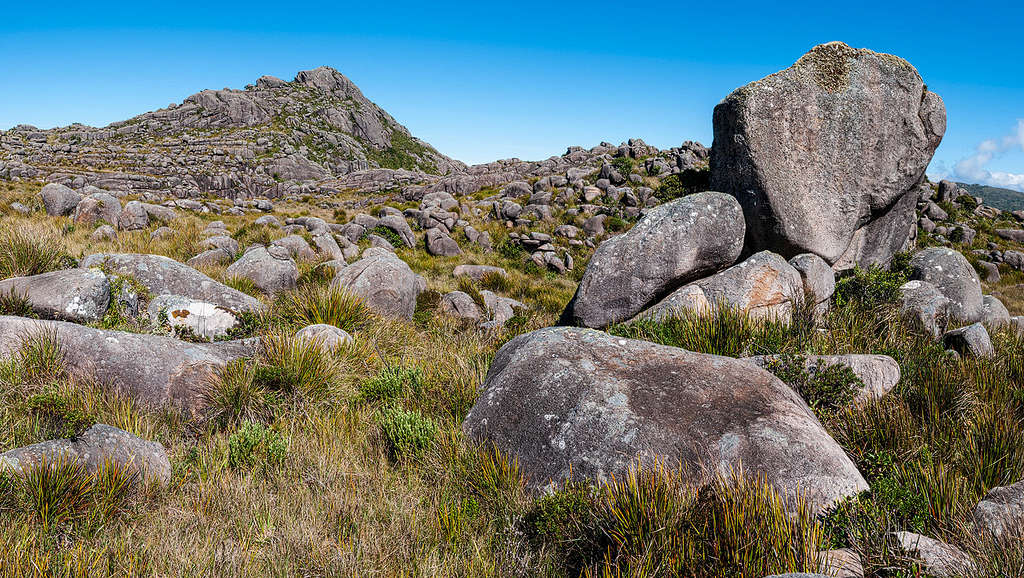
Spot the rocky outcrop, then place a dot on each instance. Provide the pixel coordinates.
(581, 404)
(383, 281)
(155, 370)
(937, 558)
(825, 156)
(78, 295)
(59, 201)
(671, 245)
(201, 319)
(94, 449)
(327, 337)
(164, 276)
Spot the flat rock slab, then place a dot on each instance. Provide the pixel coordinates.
(580, 404)
(165, 276)
(153, 369)
(93, 449)
(79, 295)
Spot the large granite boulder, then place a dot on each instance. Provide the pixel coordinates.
(98, 207)
(384, 281)
(164, 276)
(823, 155)
(93, 449)
(59, 201)
(923, 303)
(152, 369)
(673, 244)
(952, 274)
(271, 269)
(582, 404)
(79, 295)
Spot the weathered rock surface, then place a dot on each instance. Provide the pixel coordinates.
(938, 559)
(384, 281)
(165, 276)
(59, 201)
(156, 370)
(97, 446)
(993, 313)
(202, 319)
(271, 269)
(477, 272)
(971, 341)
(954, 277)
(460, 304)
(98, 207)
(580, 403)
(823, 155)
(687, 300)
(818, 278)
(328, 337)
(79, 295)
(1001, 513)
(765, 286)
(671, 245)
(923, 302)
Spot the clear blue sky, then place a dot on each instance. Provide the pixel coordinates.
(484, 80)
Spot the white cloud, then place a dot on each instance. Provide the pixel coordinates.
(972, 168)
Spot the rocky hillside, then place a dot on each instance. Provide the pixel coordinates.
(1004, 199)
(258, 141)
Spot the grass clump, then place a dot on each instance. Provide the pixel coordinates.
(25, 252)
(12, 303)
(296, 367)
(327, 305)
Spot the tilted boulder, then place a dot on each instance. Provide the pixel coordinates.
(952, 274)
(823, 155)
(460, 304)
(384, 281)
(937, 558)
(673, 244)
(400, 227)
(271, 269)
(923, 302)
(582, 404)
(152, 369)
(440, 244)
(133, 217)
(687, 300)
(164, 276)
(94, 449)
(970, 341)
(79, 295)
(818, 278)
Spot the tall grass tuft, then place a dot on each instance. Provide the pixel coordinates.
(312, 304)
(297, 367)
(27, 251)
(233, 395)
(59, 491)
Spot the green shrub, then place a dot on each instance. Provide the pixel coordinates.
(682, 184)
(387, 233)
(510, 250)
(825, 388)
(256, 446)
(624, 165)
(391, 384)
(58, 414)
(407, 433)
(870, 287)
(616, 224)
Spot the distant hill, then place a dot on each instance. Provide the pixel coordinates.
(1005, 199)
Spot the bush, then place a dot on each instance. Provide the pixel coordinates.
(624, 165)
(391, 384)
(682, 184)
(387, 233)
(510, 250)
(407, 433)
(825, 388)
(871, 287)
(256, 446)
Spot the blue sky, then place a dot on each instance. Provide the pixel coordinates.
(482, 81)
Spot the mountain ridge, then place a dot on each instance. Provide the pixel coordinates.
(267, 138)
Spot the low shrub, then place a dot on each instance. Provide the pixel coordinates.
(392, 383)
(825, 388)
(387, 233)
(408, 433)
(255, 446)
